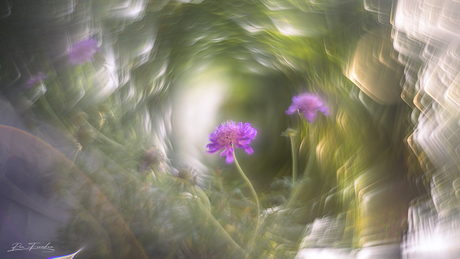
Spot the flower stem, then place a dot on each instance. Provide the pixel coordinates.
(307, 174)
(294, 160)
(312, 156)
(249, 184)
(253, 193)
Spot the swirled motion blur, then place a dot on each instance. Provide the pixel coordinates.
(106, 108)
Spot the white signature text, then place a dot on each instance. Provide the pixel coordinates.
(32, 246)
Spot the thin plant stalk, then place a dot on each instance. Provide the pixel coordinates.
(312, 156)
(255, 197)
(308, 170)
(294, 160)
(250, 186)
(291, 134)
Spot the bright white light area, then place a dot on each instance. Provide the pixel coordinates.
(132, 9)
(285, 28)
(325, 253)
(196, 103)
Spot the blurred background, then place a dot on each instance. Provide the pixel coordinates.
(106, 107)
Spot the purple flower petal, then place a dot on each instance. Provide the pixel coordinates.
(228, 135)
(324, 110)
(309, 115)
(242, 143)
(36, 79)
(212, 137)
(83, 51)
(213, 148)
(307, 104)
(248, 149)
(224, 152)
(229, 158)
(291, 110)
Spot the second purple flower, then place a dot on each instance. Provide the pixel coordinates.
(229, 134)
(308, 104)
(34, 80)
(83, 51)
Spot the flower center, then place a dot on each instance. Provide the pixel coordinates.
(228, 135)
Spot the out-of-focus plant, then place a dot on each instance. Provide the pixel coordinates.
(151, 158)
(121, 207)
(35, 79)
(225, 137)
(308, 105)
(229, 135)
(291, 134)
(83, 51)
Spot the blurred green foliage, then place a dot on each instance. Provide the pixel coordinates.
(125, 212)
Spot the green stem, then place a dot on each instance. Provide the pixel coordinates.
(255, 197)
(312, 156)
(250, 186)
(294, 160)
(308, 171)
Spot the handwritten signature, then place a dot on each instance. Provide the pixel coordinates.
(32, 246)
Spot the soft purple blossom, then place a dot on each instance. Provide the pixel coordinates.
(36, 79)
(308, 104)
(228, 135)
(83, 51)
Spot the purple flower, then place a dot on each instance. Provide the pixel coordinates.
(36, 79)
(83, 51)
(307, 104)
(229, 134)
